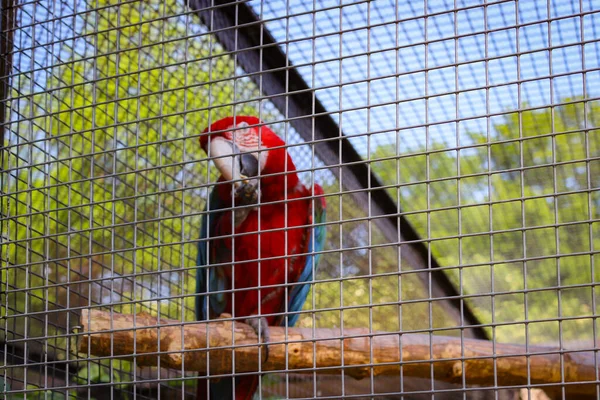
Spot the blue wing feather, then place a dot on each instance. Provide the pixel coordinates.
(216, 282)
(315, 246)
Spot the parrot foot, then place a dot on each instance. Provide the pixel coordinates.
(261, 327)
(246, 194)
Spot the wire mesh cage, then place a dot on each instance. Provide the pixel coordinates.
(457, 145)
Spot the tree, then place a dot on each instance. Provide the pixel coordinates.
(106, 183)
(105, 205)
(531, 199)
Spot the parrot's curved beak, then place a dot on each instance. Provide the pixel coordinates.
(233, 164)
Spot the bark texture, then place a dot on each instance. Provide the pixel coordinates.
(449, 359)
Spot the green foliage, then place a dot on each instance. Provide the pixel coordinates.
(525, 208)
(117, 146)
(96, 373)
(108, 193)
(107, 205)
(345, 278)
(45, 395)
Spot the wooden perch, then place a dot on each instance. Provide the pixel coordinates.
(112, 334)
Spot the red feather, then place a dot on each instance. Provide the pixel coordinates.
(274, 234)
(269, 243)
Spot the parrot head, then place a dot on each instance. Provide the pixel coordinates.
(244, 152)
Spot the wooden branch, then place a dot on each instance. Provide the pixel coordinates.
(453, 360)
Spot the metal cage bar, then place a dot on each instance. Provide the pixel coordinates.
(457, 144)
(240, 31)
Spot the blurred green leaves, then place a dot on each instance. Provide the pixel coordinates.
(108, 178)
(530, 198)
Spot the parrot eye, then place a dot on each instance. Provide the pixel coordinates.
(248, 164)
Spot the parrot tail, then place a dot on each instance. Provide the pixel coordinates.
(221, 389)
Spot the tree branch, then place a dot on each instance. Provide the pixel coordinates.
(451, 359)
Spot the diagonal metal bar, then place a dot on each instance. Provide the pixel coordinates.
(240, 30)
(7, 23)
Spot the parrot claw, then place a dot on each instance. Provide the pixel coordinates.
(261, 327)
(247, 193)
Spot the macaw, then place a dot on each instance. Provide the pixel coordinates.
(258, 192)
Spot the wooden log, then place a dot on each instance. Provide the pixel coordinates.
(328, 351)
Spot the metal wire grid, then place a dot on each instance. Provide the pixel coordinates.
(480, 118)
(462, 69)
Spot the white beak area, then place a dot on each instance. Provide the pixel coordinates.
(228, 166)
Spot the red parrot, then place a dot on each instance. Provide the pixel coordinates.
(259, 210)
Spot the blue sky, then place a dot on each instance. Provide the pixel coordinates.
(372, 28)
(466, 56)
(429, 60)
